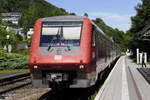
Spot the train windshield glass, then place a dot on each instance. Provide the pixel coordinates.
(60, 34)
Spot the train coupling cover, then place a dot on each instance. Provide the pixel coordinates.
(57, 77)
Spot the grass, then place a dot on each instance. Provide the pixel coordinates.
(93, 96)
(15, 70)
(6, 87)
(148, 63)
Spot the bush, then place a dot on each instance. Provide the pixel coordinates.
(3, 54)
(14, 61)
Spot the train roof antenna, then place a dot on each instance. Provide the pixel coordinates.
(85, 14)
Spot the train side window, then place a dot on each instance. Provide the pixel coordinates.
(93, 38)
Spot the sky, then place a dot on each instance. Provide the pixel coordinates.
(115, 13)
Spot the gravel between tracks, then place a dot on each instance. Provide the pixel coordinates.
(26, 93)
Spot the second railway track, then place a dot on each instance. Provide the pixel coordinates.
(14, 82)
(145, 73)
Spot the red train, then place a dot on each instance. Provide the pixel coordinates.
(69, 51)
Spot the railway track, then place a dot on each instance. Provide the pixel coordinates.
(145, 73)
(75, 93)
(14, 82)
(78, 93)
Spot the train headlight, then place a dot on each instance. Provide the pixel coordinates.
(81, 66)
(35, 67)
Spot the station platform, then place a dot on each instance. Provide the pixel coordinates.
(125, 82)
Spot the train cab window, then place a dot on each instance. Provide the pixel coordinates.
(50, 30)
(74, 31)
(60, 34)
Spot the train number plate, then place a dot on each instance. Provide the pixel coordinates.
(57, 57)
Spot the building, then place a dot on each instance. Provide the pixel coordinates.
(10, 22)
(144, 34)
(11, 17)
(16, 29)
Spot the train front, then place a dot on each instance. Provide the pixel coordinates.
(60, 53)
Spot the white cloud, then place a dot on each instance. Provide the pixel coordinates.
(114, 20)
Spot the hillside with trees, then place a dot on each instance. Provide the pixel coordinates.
(31, 10)
(116, 34)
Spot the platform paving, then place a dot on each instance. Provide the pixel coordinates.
(124, 82)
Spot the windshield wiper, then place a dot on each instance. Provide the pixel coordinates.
(49, 47)
(68, 47)
(57, 37)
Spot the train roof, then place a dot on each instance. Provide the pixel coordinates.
(63, 18)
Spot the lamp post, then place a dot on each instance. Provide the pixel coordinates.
(7, 42)
(8, 46)
(137, 55)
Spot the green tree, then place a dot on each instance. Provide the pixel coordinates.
(139, 21)
(3, 34)
(125, 42)
(13, 40)
(142, 18)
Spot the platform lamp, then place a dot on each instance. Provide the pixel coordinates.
(7, 42)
